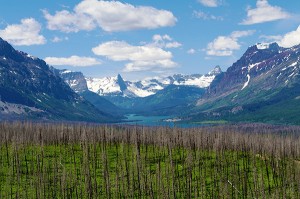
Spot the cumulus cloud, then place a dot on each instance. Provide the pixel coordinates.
(74, 60)
(111, 16)
(191, 51)
(290, 39)
(210, 3)
(173, 44)
(264, 12)
(59, 39)
(225, 45)
(140, 58)
(164, 41)
(207, 16)
(25, 34)
(66, 21)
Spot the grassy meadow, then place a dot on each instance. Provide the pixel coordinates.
(91, 161)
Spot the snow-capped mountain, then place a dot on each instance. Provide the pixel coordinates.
(263, 85)
(78, 83)
(116, 86)
(258, 60)
(75, 80)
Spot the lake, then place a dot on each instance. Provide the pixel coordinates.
(133, 119)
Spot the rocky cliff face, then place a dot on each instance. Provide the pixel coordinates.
(75, 80)
(257, 60)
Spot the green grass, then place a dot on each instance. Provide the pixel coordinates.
(80, 171)
(212, 122)
(102, 162)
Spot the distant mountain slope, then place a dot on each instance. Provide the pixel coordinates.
(78, 83)
(150, 96)
(262, 86)
(30, 90)
(117, 86)
(172, 100)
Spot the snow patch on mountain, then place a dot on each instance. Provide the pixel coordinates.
(292, 65)
(143, 88)
(201, 82)
(66, 71)
(103, 86)
(247, 82)
(253, 65)
(263, 46)
(31, 57)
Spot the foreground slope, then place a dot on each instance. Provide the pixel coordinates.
(30, 90)
(97, 161)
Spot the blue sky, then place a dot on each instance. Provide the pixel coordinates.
(144, 38)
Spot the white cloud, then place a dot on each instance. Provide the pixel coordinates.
(72, 61)
(222, 46)
(111, 16)
(272, 38)
(206, 16)
(157, 38)
(173, 44)
(290, 39)
(66, 21)
(59, 39)
(140, 58)
(191, 51)
(238, 34)
(264, 12)
(209, 3)
(164, 41)
(25, 34)
(225, 45)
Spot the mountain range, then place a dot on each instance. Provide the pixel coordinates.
(31, 90)
(262, 86)
(117, 86)
(159, 96)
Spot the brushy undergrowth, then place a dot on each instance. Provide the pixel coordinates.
(90, 161)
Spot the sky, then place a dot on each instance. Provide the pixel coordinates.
(146, 38)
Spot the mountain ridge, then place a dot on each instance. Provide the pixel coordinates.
(261, 83)
(110, 86)
(149, 96)
(78, 83)
(31, 90)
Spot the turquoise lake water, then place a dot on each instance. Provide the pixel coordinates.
(133, 119)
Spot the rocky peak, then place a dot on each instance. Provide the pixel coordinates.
(75, 80)
(255, 54)
(7, 51)
(121, 83)
(216, 71)
(268, 46)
